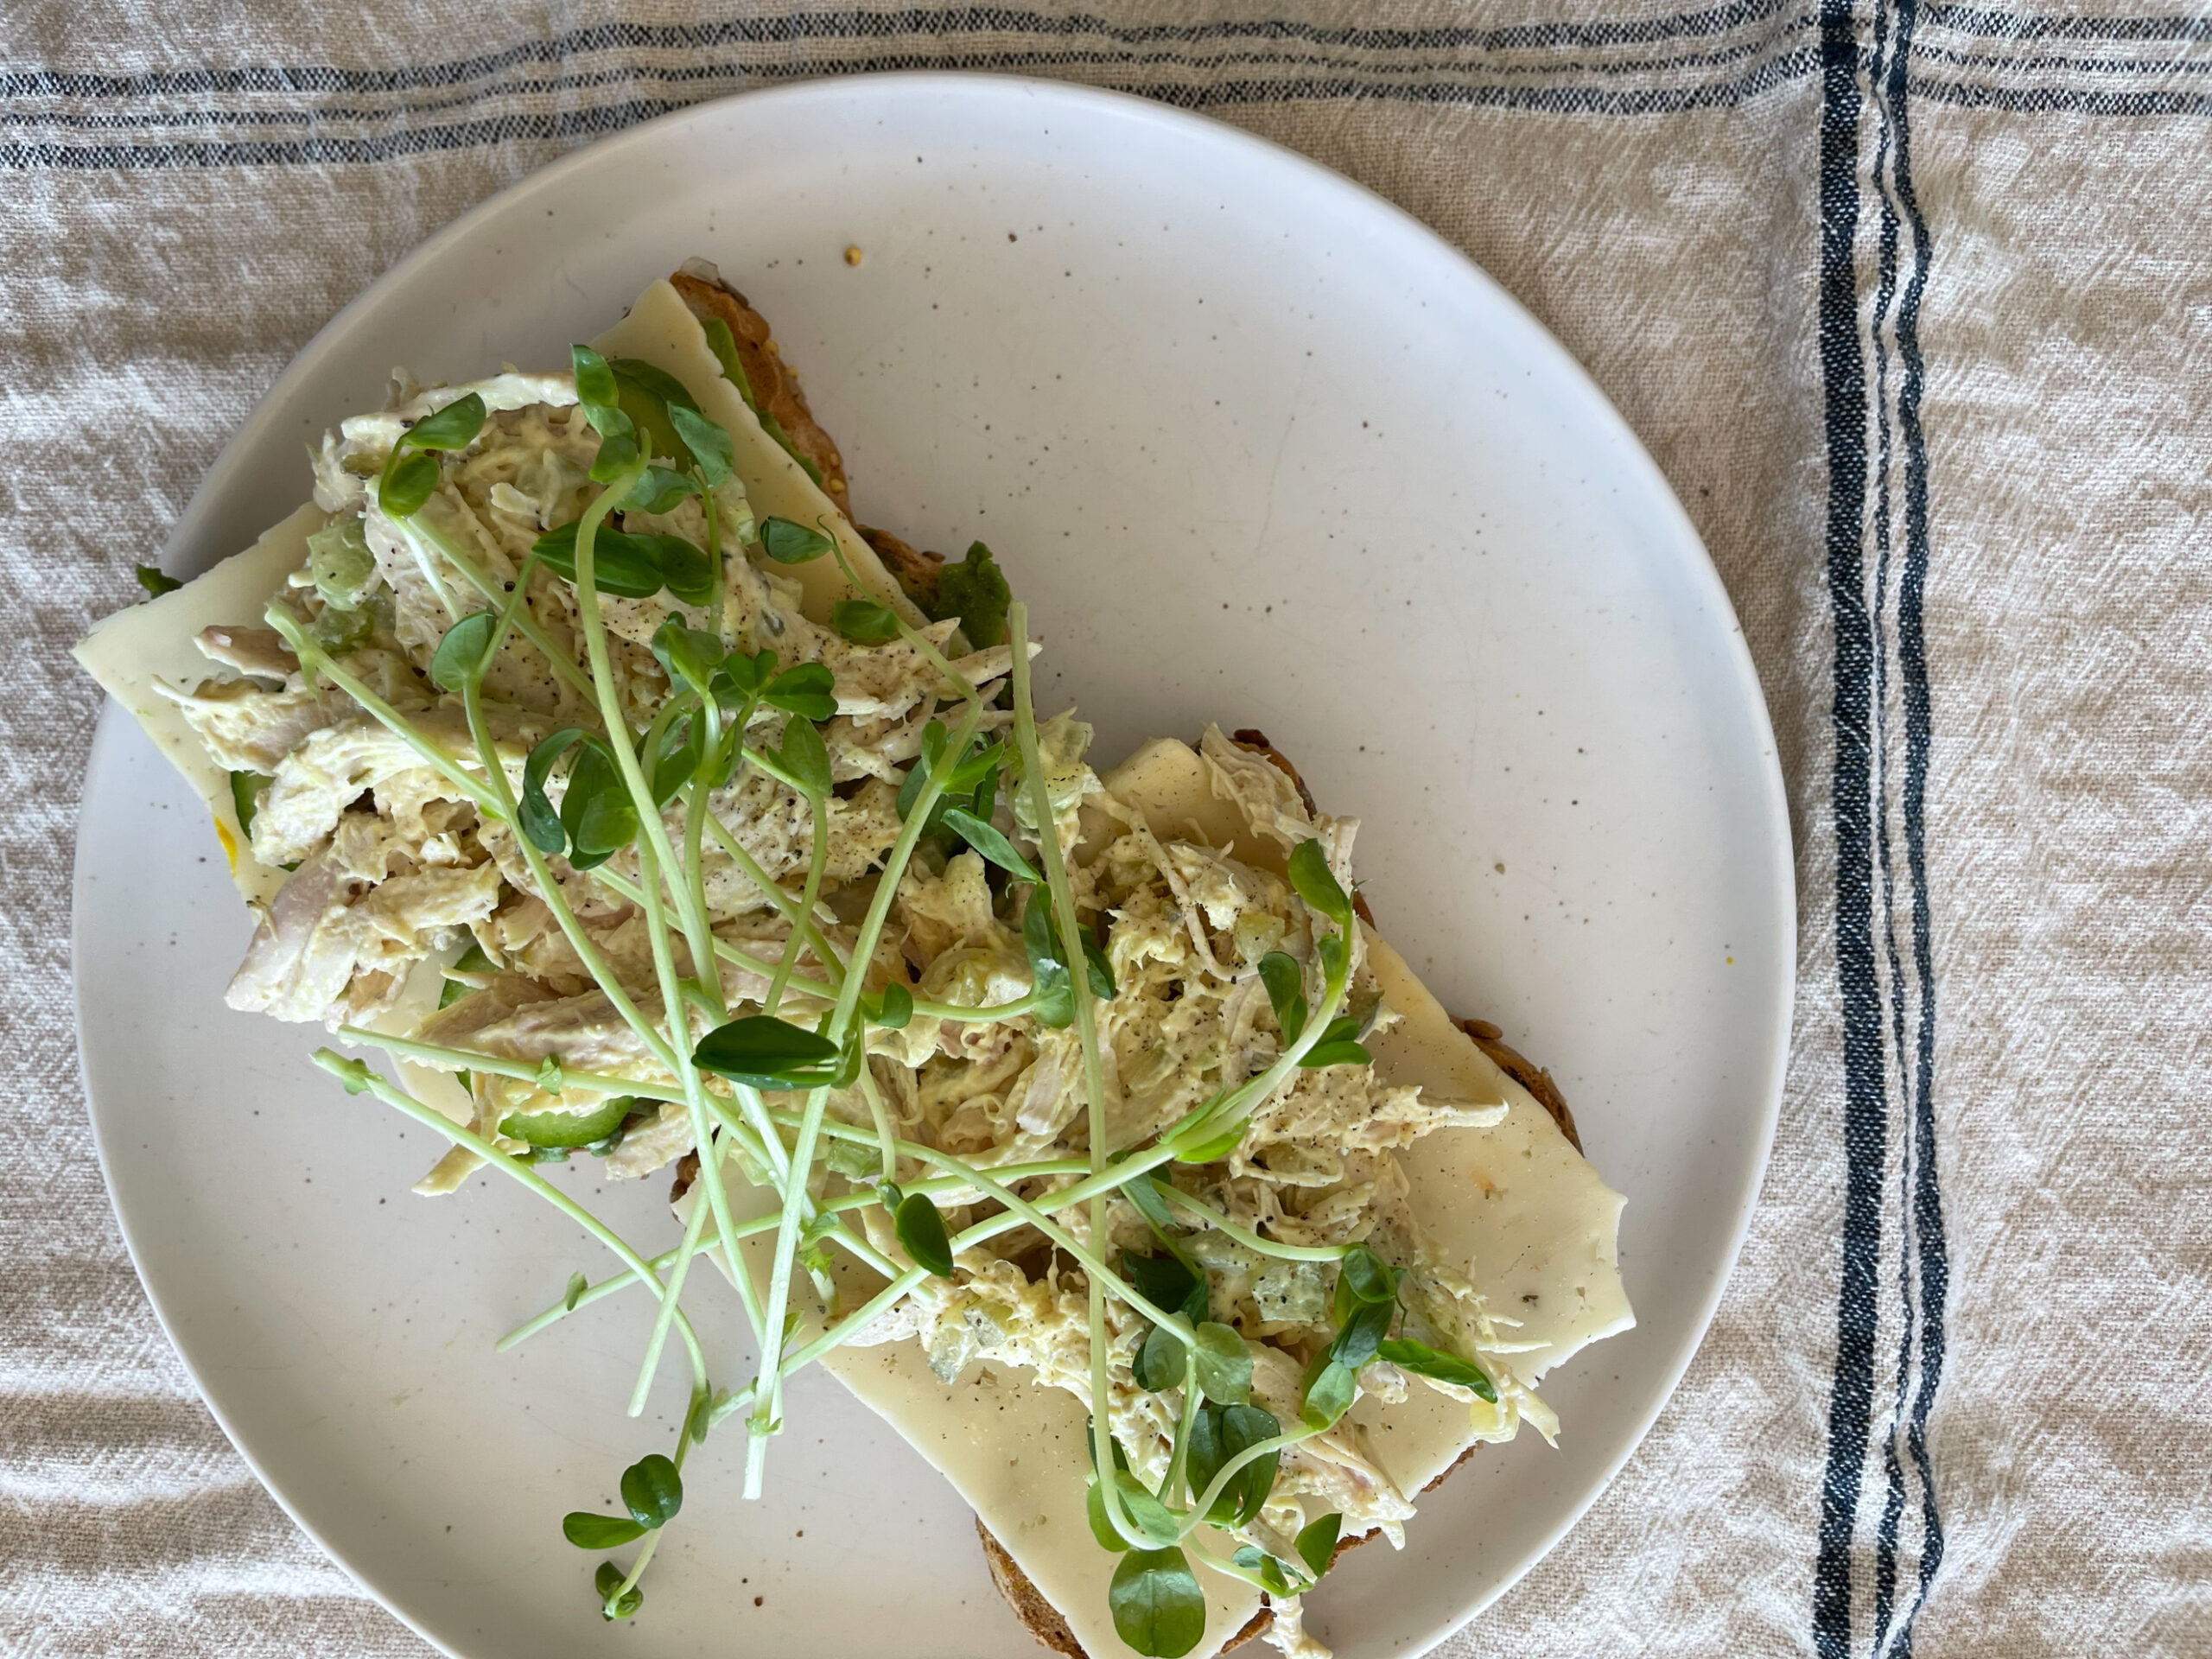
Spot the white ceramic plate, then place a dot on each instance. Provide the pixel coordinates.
(1258, 448)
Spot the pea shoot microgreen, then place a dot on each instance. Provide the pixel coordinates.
(788, 542)
(411, 470)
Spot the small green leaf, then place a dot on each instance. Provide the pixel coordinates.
(1331, 952)
(618, 449)
(723, 344)
(1266, 1569)
(805, 758)
(588, 1531)
(1330, 1387)
(156, 582)
(577, 1285)
(1152, 1518)
(676, 756)
(1316, 884)
(1222, 1365)
(539, 821)
(1316, 1543)
(1159, 1360)
(690, 571)
(921, 1234)
(690, 656)
(897, 1008)
(460, 655)
(1424, 1361)
(651, 378)
(986, 839)
(657, 489)
(597, 811)
(1363, 1276)
(1144, 1192)
(246, 790)
(1359, 1337)
(804, 689)
(454, 427)
(1102, 1525)
(607, 1581)
(975, 591)
(1220, 1433)
(409, 480)
(549, 1077)
(594, 380)
(931, 755)
(709, 443)
(1286, 985)
(1098, 970)
(1158, 1608)
(863, 621)
(1054, 994)
(629, 567)
(652, 1490)
(768, 1053)
(1216, 1146)
(790, 543)
(568, 1129)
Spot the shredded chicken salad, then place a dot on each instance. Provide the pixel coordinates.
(586, 818)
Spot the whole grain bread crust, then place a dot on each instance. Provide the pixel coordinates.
(774, 382)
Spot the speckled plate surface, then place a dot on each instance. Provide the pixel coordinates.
(1258, 448)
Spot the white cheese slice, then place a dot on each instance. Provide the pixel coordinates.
(129, 652)
(661, 330)
(1513, 1203)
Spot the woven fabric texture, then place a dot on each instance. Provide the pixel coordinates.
(1913, 305)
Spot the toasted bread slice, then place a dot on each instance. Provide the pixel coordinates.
(774, 382)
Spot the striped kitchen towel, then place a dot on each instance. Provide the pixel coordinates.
(1912, 302)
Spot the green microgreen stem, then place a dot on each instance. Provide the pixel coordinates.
(314, 658)
(654, 854)
(768, 1391)
(1229, 1468)
(1094, 1080)
(356, 1075)
(678, 1270)
(1244, 1235)
(477, 577)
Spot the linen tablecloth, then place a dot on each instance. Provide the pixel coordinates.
(1912, 302)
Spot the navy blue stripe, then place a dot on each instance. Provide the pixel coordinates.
(794, 28)
(1844, 377)
(566, 125)
(1890, 50)
(1927, 1215)
(2147, 68)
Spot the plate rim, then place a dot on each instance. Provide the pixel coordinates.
(1768, 1077)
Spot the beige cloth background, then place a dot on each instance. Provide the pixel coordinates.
(1966, 249)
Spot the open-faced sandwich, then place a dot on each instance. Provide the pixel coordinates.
(579, 755)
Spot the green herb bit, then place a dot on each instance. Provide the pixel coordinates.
(863, 621)
(1158, 1607)
(1052, 993)
(614, 1601)
(1221, 1432)
(652, 1490)
(410, 472)
(1221, 1364)
(787, 543)
(805, 689)
(246, 790)
(658, 489)
(1424, 1361)
(922, 1235)
(464, 650)
(155, 581)
(1316, 884)
(589, 1530)
(577, 1286)
(1286, 987)
(1316, 1543)
(975, 591)
(768, 1053)
(567, 1129)
(986, 839)
(707, 442)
